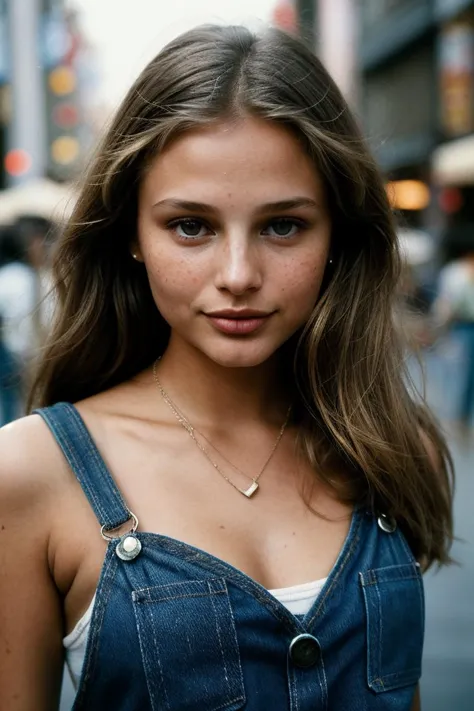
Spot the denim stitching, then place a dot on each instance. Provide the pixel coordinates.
(186, 584)
(148, 660)
(291, 687)
(367, 616)
(78, 433)
(338, 572)
(406, 547)
(207, 561)
(211, 598)
(80, 472)
(324, 685)
(395, 580)
(106, 477)
(151, 600)
(297, 701)
(380, 619)
(105, 588)
(58, 428)
(236, 642)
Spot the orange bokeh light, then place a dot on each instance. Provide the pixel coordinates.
(17, 162)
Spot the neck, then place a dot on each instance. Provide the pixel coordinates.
(208, 393)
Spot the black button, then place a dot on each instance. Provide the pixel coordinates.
(304, 651)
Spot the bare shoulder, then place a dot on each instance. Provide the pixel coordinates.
(31, 467)
(32, 628)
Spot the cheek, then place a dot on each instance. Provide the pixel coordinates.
(172, 281)
(301, 284)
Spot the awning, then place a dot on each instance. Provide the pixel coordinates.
(453, 162)
(42, 197)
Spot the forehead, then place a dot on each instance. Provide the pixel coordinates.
(253, 157)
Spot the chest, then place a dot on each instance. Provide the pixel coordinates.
(183, 610)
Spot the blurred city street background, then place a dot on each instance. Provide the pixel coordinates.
(407, 69)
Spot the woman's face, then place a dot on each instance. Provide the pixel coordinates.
(234, 233)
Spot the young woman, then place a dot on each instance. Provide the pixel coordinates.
(236, 510)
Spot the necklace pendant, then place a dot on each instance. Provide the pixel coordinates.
(251, 490)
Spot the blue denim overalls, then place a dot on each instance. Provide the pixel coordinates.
(177, 629)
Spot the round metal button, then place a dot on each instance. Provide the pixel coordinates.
(387, 524)
(304, 651)
(128, 547)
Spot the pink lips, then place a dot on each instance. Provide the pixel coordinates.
(238, 323)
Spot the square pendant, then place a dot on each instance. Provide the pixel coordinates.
(251, 490)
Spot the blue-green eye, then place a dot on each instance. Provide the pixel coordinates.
(283, 228)
(189, 228)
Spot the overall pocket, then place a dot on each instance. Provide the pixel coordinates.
(189, 646)
(394, 603)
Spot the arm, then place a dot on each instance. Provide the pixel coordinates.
(30, 609)
(416, 701)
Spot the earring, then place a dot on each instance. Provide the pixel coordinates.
(134, 255)
(331, 260)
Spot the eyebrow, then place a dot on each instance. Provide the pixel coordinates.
(279, 206)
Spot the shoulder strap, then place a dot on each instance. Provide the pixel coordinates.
(73, 437)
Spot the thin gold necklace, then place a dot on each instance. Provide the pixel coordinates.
(190, 429)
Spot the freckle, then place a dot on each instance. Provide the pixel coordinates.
(294, 533)
(3, 528)
(222, 527)
(8, 651)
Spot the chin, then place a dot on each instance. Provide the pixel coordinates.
(239, 355)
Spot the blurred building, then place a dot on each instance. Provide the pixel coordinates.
(416, 64)
(407, 68)
(43, 81)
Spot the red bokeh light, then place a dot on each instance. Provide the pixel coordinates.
(450, 200)
(284, 16)
(17, 162)
(65, 115)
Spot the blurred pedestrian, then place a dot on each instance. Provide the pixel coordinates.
(225, 346)
(454, 311)
(17, 300)
(38, 235)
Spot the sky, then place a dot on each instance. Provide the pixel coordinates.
(128, 33)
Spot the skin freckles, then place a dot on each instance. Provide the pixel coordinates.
(210, 240)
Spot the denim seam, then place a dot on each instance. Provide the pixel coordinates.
(236, 642)
(295, 692)
(324, 685)
(81, 474)
(148, 660)
(220, 640)
(395, 580)
(380, 640)
(235, 576)
(104, 590)
(151, 600)
(406, 547)
(337, 573)
(118, 509)
(101, 467)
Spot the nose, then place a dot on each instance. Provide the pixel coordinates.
(239, 267)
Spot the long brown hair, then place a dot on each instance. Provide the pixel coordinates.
(354, 405)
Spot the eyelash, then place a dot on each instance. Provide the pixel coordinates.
(297, 222)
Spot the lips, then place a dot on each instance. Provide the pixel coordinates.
(238, 314)
(238, 322)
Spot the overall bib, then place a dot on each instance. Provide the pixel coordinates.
(176, 629)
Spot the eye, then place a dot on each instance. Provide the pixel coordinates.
(283, 228)
(189, 229)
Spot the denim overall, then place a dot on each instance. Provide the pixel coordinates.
(176, 629)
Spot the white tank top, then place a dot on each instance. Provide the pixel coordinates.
(298, 599)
